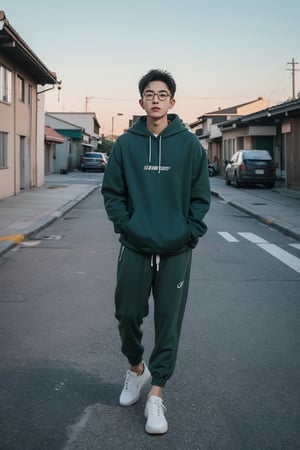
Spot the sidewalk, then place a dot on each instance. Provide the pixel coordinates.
(278, 207)
(31, 211)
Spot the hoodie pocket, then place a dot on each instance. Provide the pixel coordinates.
(158, 232)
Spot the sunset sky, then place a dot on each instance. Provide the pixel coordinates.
(221, 53)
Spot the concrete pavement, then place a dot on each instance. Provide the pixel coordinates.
(29, 212)
(278, 207)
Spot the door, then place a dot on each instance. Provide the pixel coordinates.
(24, 165)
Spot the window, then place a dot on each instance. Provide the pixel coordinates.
(3, 150)
(257, 154)
(93, 155)
(21, 89)
(240, 142)
(5, 84)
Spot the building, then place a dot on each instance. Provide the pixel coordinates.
(276, 129)
(82, 134)
(69, 153)
(85, 120)
(23, 77)
(207, 130)
(52, 139)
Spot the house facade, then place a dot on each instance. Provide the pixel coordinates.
(52, 140)
(276, 129)
(23, 77)
(68, 153)
(85, 120)
(206, 127)
(82, 134)
(254, 125)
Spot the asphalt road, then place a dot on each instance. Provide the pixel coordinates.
(236, 384)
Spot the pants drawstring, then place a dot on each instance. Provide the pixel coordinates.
(157, 261)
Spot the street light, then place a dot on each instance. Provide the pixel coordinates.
(112, 125)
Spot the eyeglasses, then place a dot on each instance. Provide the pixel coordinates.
(161, 95)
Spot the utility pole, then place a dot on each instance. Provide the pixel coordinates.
(293, 70)
(87, 99)
(112, 125)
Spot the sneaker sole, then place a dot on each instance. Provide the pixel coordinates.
(153, 431)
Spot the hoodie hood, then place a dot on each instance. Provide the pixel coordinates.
(174, 127)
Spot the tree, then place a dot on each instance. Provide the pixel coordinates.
(105, 146)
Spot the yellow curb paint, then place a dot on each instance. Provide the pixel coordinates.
(16, 238)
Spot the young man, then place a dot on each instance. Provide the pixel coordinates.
(156, 192)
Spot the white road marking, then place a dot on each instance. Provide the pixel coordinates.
(283, 256)
(253, 238)
(295, 246)
(32, 243)
(227, 236)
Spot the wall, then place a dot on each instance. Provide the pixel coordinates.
(7, 125)
(18, 119)
(40, 169)
(293, 154)
(25, 129)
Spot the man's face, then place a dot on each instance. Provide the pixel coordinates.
(156, 100)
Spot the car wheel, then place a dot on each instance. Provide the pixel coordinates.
(269, 185)
(237, 183)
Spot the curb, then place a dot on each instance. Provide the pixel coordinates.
(265, 220)
(10, 241)
(16, 238)
(5, 246)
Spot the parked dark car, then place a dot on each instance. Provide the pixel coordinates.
(93, 161)
(251, 167)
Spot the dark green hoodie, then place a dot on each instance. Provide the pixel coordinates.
(156, 189)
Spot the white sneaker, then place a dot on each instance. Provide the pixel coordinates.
(155, 415)
(133, 385)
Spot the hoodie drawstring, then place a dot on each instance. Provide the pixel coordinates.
(159, 152)
(121, 252)
(150, 152)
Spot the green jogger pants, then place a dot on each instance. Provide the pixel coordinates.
(167, 278)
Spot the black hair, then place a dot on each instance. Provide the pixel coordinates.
(157, 75)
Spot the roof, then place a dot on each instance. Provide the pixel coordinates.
(16, 50)
(62, 122)
(75, 115)
(52, 135)
(289, 107)
(286, 109)
(231, 109)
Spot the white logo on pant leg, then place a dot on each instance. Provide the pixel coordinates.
(180, 284)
